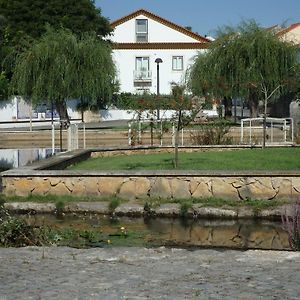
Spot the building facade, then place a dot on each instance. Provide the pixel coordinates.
(152, 53)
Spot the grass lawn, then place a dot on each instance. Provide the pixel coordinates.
(248, 159)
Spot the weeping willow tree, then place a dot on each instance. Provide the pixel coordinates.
(61, 66)
(247, 62)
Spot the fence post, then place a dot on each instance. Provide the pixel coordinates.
(151, 131)
(84, 137)
(161, 132)
(72, 137)
(173, 134)
(129, 134)
(53, 138)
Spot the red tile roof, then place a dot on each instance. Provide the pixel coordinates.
(288, 29)
(162, 21)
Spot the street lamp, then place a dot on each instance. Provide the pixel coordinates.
(158, 61)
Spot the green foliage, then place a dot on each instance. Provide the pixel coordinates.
(61, 66)
(60, 206)
(113, 204)
(214, 133)
(15, 232)
(244, 61)
(29, 17)
(3, 86)
(146, 101)
(185, 206)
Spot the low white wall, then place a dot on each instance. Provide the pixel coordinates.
(8, 110)
(118, 114)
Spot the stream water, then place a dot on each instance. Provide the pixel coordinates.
(236, 234)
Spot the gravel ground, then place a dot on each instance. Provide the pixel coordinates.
(139, 273)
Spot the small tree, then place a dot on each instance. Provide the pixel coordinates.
(248, 62)
(61, 66)
(185, 113)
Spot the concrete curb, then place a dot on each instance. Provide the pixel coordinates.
(165, 210)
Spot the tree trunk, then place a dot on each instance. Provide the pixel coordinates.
(176, 160)
(253, 104)
(61, 108)
(265, 122)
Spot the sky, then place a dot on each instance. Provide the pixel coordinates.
(205, 17)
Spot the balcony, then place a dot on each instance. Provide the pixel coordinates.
(142, 76)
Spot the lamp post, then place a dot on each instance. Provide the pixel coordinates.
(158, 61)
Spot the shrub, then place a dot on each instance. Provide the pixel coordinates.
(212, 134)
(59, 207)
(184, 208)
(113, 204)
(15, 232)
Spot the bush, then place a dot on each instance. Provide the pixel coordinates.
(212, 134)
(15, 232)
(146, 102)
(113, 204)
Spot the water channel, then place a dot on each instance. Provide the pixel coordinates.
(234, 234)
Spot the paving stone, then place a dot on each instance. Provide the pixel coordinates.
(147, 273)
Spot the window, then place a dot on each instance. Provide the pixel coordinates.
(141, 30)
(142, 67)
(177, 63)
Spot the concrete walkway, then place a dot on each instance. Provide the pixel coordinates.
(139, 273)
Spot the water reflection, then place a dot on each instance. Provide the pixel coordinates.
(15, 158)
(239, 234)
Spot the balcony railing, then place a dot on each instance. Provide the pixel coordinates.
(142, 75)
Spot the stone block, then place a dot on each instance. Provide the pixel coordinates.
(127, 190)
(79, 188)
(23, 186)
(91, 186)
(180, 188)
(110, 186)
(55, 181)
(60, 189)
(201, 191)
(283, 186)
(142, 187)
(127, 209)
(42, 186)
(161, 188)
(261, 188)
(223, 188)
(168, 210)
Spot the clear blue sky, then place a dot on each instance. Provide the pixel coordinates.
(206, 16)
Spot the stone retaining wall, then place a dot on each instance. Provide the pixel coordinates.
(145, 185)
(40, 178)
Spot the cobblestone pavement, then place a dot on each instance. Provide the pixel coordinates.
(139, 273)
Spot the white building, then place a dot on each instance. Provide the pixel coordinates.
(290, 33)
(140, 39)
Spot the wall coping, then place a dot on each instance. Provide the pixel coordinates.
(148, 173)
